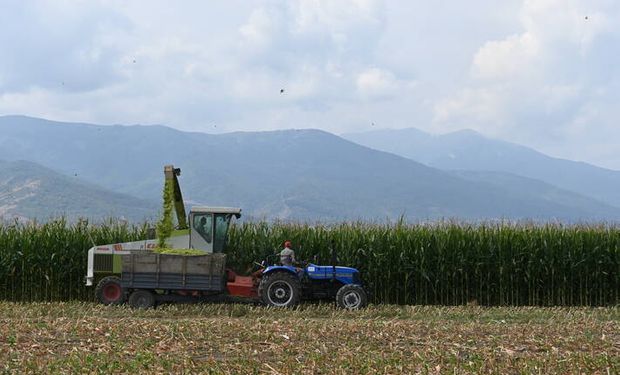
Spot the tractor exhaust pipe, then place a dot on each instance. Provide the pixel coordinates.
(334, 261)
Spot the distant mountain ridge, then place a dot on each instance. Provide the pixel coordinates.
(288, 174)
(469, 150)
(29, 191)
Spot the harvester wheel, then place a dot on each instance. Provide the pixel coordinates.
(110, 292)
(280, 289)
(141, 299)
(351, 297)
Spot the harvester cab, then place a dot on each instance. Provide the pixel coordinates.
(209, 227)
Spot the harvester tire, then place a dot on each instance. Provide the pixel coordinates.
(280, 289)
(141, 299)
(110, 292)
(351, 297)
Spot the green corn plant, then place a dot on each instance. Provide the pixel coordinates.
(445, 263)
(47, 262)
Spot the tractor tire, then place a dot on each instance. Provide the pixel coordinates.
(142, 299)
(280, 289)
(351, 297)
(110, 292)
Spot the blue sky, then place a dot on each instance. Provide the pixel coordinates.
(543, 73)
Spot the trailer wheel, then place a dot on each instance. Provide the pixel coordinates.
(280, 289)
(141, 299)
(351, 297)
(109, 291)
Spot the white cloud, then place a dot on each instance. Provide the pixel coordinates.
(506, 58)
(483, 104)
(336, 17)
(533, 86)
(262, 28)
(379, 83)
(573, 21)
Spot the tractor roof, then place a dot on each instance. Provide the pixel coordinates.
(218, 210)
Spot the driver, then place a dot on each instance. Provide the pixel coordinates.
(287, 255)
(202, 227)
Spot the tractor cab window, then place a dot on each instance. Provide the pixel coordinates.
(222, 222)
(203, 225)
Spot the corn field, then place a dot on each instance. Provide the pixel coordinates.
(453, 264)
(440, 264)
(48, 262)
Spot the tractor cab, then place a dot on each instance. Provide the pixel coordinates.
(209, 227)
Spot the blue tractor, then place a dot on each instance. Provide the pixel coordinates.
(285, 286)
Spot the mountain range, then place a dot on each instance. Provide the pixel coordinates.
(29, 190)
(290, 174)
(469, 150)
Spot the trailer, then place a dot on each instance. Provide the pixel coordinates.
(149, 277)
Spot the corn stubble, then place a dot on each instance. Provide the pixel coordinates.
(439, 264)
(312, 339)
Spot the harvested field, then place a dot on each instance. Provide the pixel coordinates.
(219, 338)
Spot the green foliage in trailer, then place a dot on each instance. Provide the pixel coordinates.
(165, 227)
(188, 252)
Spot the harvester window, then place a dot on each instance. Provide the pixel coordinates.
(203, 225)
(221, 226)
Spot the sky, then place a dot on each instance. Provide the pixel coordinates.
(543, 73)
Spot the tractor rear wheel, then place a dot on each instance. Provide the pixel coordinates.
(109, 291)
(141, 299)
(351, 297)
(280, 289)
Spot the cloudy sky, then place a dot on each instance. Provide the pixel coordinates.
(544, 73)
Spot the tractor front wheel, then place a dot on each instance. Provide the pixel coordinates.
(351, 297)
(109, 291)
(141, 299)
(280, 289)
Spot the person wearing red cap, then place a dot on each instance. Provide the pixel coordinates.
(287, 255)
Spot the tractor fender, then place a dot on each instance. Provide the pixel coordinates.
(271, 269)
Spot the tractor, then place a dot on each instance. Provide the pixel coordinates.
(284, 286)
(132, 272)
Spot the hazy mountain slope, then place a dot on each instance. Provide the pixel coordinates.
(523, 187)
(307, 174)
(28, 190)
(469, 150)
